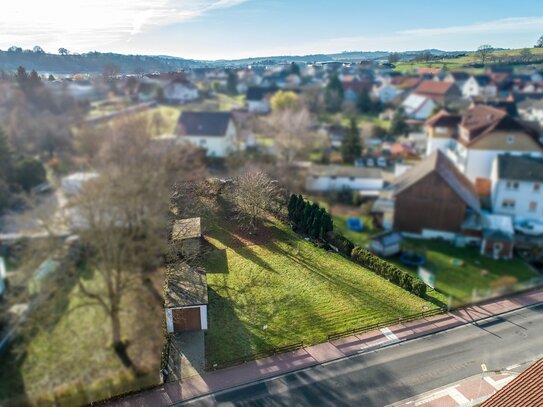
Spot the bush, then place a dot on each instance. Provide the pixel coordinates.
(343, 244)
(388, 271)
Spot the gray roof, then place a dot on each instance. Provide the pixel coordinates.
(185, 285)
(520, 168)
(345, 171)
(439, 163)
(203, 123)
(186, 229)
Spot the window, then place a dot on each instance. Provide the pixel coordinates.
(510, 139)
(511, 185)
(508, 203)
(536, 187)
(533, 206)
(202, 142)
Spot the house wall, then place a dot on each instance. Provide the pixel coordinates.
(325, 183)
(258, 106)
(429, 204)
(437, 143)
(524, 196)
(490, 248)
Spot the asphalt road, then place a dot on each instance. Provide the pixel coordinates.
(404, 370)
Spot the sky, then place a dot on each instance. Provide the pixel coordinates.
(230, 29)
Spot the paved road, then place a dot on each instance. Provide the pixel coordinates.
(400, 371)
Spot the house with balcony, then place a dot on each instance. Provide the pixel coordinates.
(474, 139)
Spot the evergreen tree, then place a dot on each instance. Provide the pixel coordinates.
(351, 146)
(316, 225)
(232, 83)
(333, 95)
(300, 206)
(539, 43)
(294, 68)
(327, 225)
(292, 204)
(306, 217)
(30, 172)
(364, 102)
(6, 158)
(21, 76)
(398, 125)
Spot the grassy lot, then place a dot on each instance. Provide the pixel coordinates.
(459, 281)
(299, 291)
(460, 62)
(69, 349)
(361, 239)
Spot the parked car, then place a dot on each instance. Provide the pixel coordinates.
(530, 228)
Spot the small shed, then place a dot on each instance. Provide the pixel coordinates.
(386, 243)
(185, 298)
(186, 236)
(498, 237)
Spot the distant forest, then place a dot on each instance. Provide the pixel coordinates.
(92, 62)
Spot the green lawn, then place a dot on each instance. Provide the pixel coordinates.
(459, 281)
(361, 239)
(70, 348)
(460, 62)
(299, 291)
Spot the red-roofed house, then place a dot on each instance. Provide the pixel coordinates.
(439, 92)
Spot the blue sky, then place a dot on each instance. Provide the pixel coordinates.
(212, 29)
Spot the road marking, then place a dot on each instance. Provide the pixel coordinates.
(458, 397)
(498, 384)
(512, 367)
(389, 334)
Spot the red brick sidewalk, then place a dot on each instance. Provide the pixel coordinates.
(264, 368)
(470, 391)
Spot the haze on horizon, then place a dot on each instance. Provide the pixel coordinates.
(230, 29)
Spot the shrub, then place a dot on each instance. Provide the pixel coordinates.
(343, 244)
(388, 271)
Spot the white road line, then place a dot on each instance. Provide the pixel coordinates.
(512, 367)
(458, 397)
(389, 334)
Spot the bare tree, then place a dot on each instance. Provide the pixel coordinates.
(292, 133)
(253, 196)
(484, 51)
(121, 217)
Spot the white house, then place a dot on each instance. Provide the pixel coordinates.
(385, 92)
(517, 186)
(180, 92)
(418, 107)
(479, 85)
(73, 183)
(327, 178)
(214, 132)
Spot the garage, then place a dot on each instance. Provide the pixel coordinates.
(186, 319)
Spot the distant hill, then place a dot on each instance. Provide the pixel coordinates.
(94, 62)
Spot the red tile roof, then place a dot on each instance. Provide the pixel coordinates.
(434, 88)
(525, 390)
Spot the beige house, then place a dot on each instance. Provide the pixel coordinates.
(474, 139)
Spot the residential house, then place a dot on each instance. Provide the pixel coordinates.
(432, 199)
(441, 93)
(179, 92)
(483, 133)
(258, 98)
(418, 107)
(385, 92)
(517, 186)
(215, 132)
(459, 78)
(479, 85)
(441, 129)
(386, 244)
(328, 178)
(532, 110)
(352, 88)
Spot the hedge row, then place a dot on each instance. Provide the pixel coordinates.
(339, 241)
(388, 271)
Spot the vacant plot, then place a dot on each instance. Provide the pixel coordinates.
(279, 289)
(478, 271)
